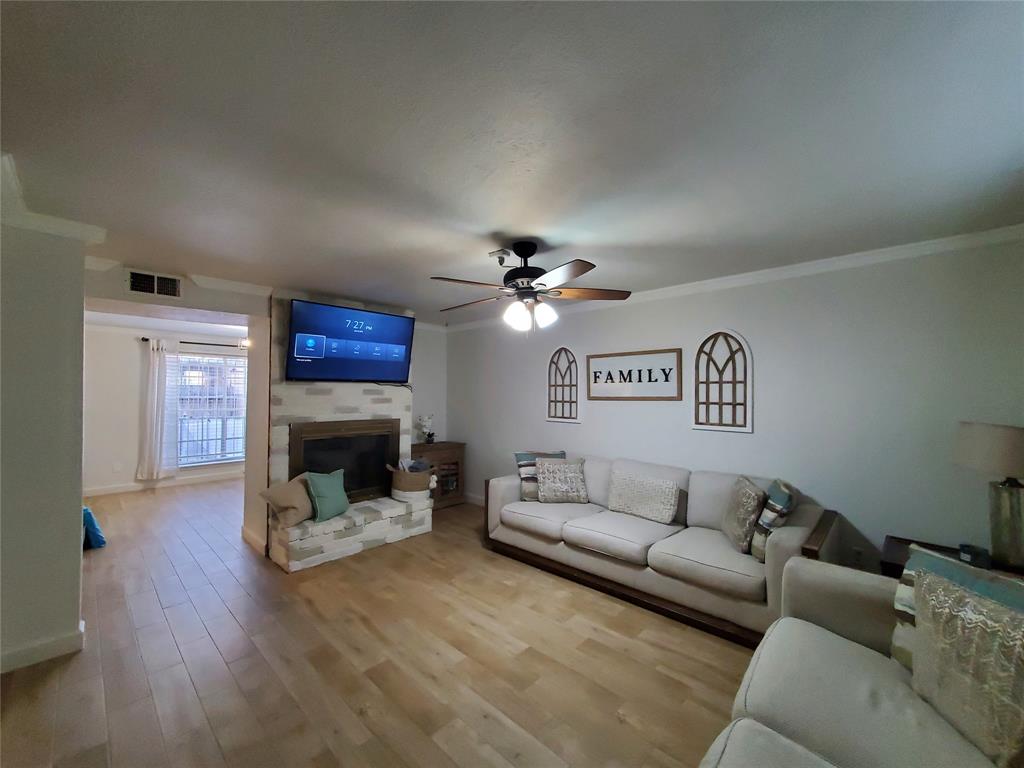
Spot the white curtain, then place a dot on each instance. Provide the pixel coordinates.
(158, 448)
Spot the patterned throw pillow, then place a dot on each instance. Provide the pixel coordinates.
(560, 481)
(527, 463)
(747, 503)
(648, 497)
(985, 583)
(969, 662)
(904, 634)
(781, 501)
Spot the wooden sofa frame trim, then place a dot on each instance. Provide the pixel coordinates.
(716, 626)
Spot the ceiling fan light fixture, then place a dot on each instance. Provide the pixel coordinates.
(517, 316)
(544, 314)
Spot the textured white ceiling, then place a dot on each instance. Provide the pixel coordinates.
(359, 148)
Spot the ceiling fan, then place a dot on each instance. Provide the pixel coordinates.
(529, 285)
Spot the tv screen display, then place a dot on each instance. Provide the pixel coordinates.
(328, 343)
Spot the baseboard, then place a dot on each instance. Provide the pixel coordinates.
(184, 479)
(475, 498)
(43, 650)
(254, 540)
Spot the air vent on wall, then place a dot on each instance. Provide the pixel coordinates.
(153, 284)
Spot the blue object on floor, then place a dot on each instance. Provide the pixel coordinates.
(94, 538)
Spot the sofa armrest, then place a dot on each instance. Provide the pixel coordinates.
(823, 543)
(498, 492)
(854, 604)
(783, 544)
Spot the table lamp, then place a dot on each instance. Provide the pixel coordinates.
(998, 450)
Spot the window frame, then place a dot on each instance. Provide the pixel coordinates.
(747, 382)
(185, 461)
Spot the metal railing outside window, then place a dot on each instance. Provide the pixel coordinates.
(211, 409)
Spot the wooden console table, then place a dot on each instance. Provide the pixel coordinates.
(896, 551)
(447, 461)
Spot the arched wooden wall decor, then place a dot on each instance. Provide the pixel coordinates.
(723, 384)
(563, 386)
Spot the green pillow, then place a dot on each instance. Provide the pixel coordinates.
(327, 492)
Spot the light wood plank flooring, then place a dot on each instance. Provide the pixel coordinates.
(429, 652)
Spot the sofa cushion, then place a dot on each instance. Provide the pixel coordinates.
(707, 558)
(849, 704)
(598, 474)
(710, 495)
(544, 519)
(745, 743)
(617, 535)
(679, 475)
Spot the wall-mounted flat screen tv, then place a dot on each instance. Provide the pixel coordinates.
(328, 343)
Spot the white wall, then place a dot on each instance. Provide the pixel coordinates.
(113, 376)
(429, 378)
(257, 433)
(40, 450)
(860, 377)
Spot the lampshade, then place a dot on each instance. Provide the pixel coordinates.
(995, 449)
(518, 316)
(544, 314)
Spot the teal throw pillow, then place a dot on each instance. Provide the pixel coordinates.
(327, 492)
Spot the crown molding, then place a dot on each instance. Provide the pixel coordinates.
(231, 286)
(1014, 233)
(423, 325)
(100, 263)
(14, 212)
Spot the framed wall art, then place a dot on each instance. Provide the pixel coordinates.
(563, 387)
(649, 374)
(723, 381)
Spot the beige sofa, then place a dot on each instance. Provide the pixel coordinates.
(821, 690)
(687, 569)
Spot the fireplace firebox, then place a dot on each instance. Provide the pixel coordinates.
(362, 448)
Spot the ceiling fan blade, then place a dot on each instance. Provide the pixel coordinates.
(606, 294)
(495, 286)
(471, 303)
(563, 274)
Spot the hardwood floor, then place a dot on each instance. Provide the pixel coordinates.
(429, 652)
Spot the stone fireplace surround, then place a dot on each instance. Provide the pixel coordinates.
(294, 403)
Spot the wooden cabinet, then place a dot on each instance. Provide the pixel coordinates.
(448, 462)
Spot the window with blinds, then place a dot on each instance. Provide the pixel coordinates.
(211, 409)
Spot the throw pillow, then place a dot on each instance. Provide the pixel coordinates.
(289, 501)
(648, 497)
(969, 661)
(905, 604)
(560, 481)
(743, 513)
(780, 502)
(327, 493)
(526, 461)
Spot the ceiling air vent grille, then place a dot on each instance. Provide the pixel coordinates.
(141, 282)
(153, 284)
(168, 286)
